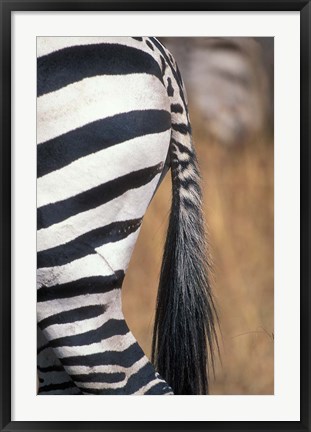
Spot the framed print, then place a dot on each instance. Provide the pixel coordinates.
(164, 152)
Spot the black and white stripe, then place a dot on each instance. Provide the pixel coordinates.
(108, 110)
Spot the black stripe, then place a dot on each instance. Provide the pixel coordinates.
(83, 286)
(100, 377)
(72, 64)
(188, 184)
(50, 214)
(124, 358)
(163, 65)
(170, 88)
(177, 108)
(149, 45)
(183, 149)
(188, 204)
(55, 368)
(98, 135)
(169, 60)
(175, 74)
(52, 387)
(180, 81)
(181, 128)
(184, 164)
(111, 328)
(43, 347)
(73, 315)
(140, 379)
(86, 243)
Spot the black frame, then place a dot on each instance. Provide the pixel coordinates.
(5, 208)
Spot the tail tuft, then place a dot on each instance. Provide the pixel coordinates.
(184, 332)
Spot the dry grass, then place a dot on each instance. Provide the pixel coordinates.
(238, 199)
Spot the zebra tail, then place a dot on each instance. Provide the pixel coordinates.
(184, 337)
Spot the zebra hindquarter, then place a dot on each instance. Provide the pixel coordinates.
(103, 135)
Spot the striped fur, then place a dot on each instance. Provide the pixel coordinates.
(111, 113)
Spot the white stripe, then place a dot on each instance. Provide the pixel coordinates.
(188, 173)
(75, 370)
(148, 386)
(181, 156)
(120, 252)
(90, 265)
(101, 167)
(131, 205)
(48, 44)
(101, 385)
(51, 307)
(115, 343)
(191, 193)
(96, 98)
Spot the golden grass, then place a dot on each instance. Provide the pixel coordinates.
(238, 205)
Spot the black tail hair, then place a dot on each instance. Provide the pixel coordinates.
(184, 331)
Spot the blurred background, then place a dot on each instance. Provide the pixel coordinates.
(229, 83)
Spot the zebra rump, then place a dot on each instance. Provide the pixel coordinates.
(99, 164)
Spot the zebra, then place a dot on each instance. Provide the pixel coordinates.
(112, 118)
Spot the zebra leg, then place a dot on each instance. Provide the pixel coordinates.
(53, 379)
(89, 348)
(103, 137)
